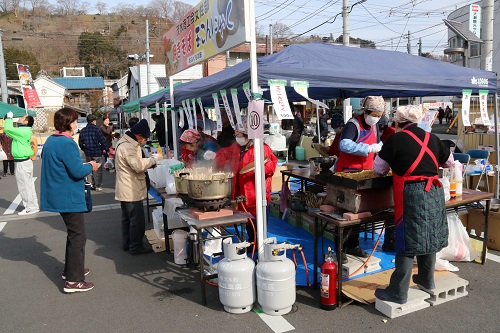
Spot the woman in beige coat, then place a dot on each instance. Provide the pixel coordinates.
(131, 186)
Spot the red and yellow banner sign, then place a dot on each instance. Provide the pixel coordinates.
(209, 28)
(29, 91)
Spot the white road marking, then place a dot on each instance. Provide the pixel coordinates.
(2, 224)
(46, 214)
(13, 206)
(277, 323)
(492, 257)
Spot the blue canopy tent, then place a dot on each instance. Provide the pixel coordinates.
(160, 97)
(337, 71)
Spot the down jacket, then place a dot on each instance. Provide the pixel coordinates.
(130, 167)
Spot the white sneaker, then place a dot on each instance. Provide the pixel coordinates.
(28, 212)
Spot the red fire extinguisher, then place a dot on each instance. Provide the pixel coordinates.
(328, 282)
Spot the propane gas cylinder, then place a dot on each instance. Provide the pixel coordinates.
(328, 276)
(275, 279)
(236, 275)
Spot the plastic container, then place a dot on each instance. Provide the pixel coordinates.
(300, 153)
(179, 238)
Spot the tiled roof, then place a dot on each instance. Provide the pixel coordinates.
(75, 83)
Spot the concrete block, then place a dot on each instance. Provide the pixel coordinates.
(448, 288)
(416, 301)
(355, 262)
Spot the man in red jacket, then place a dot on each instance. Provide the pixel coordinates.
(238, 156)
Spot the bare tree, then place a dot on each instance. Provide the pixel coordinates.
(68, 7)
(281, 31)
(5, 6)
(101, 7)
(163, 8)
(180, 9)
(15, 7)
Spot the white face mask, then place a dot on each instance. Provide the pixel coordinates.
(241, 141)
(371, 120)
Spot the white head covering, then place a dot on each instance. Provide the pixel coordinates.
(373, 103)
(409, 113)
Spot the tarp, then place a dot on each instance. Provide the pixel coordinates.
(17, 111)
(161, 96)
(339, 71)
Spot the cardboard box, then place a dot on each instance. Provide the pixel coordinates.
(274, 208)
(492, 182)
(276, 180)
(475, 221)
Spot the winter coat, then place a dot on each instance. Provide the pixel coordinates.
(233, 159)
(6, 143)
(62, 177)
(21, 136)
(130, 166)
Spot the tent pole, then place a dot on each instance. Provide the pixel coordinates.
(166, 128)
(495, 117)
(260, 188)
(174, 118)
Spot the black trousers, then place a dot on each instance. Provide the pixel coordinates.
(8, 165)
(400, 278)
(133, 225)
(75, 246)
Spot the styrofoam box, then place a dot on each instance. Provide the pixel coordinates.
(158, 222)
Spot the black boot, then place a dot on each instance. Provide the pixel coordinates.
(389, 240)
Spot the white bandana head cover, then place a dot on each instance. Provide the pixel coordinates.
(373, 103)
(409, 113)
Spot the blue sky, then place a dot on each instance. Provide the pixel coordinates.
(386, 22)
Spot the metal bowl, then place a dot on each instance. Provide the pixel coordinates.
(325, 163)
(495, 205)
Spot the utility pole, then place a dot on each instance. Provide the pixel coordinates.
(408, 46)
(271, 38)
(147, 55)
(487, 35)
(3, 74)
(420, 47)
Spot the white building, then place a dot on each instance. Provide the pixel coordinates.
(465, 36)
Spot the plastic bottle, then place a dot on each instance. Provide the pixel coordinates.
(453, 184)
(457, 171)
(160, 152)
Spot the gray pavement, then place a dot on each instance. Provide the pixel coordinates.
(150, 293)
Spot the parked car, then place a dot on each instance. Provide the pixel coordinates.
(81, 123)
(114, 118)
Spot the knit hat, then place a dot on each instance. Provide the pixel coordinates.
(91, 118)
(141, 128)
(409, 113)
(373, 103)
(337, 120)
(190, 136)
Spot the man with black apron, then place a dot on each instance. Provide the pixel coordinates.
(414, 156)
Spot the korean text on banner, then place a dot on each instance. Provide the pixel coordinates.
(189, 116)
(227, 108)
(246, 89)
(202, 111)
(255, 119)
(181, 117)
(236, 106)
(280, 100)
(209, 28)
(427, 120)
(28, 86)
(301, 88)
(466, 106)
(193, 102)
(217, 112)
(483, 107)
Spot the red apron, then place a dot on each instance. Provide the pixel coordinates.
(399, 184)
(355, 162)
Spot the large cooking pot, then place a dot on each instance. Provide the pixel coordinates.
(212, 187)
(181, 182)
(324, 162)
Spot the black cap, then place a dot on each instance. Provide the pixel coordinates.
(91, 118)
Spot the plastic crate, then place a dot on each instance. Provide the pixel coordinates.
(295, 218)
(307, 222)
(274, 209)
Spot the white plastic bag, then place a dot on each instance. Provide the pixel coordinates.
(446, 187)
(459, 248)
(110, 163)
(169, 182)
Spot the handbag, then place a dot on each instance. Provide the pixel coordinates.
(88, 197)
